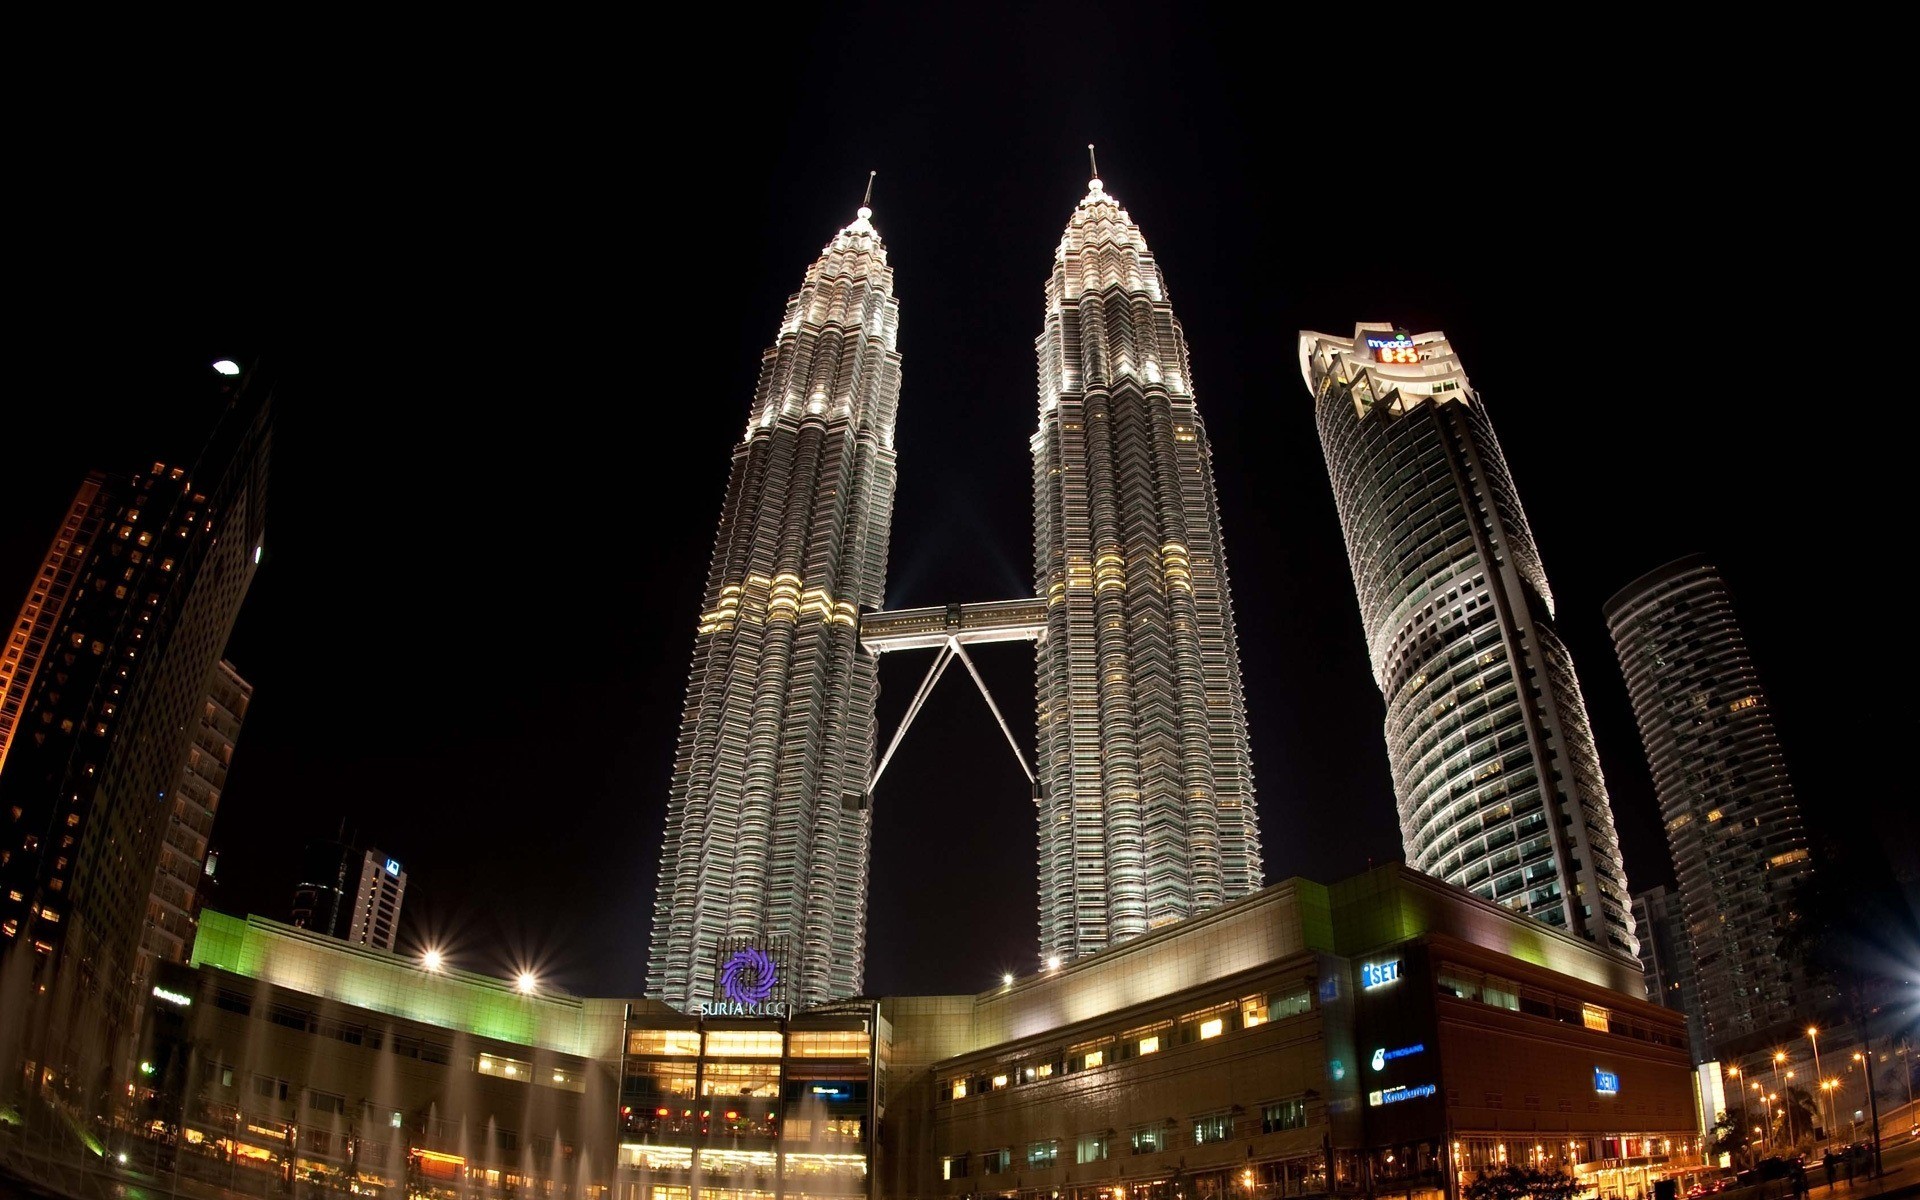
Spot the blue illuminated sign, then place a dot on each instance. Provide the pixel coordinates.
(831, 1091)
(393, 866)
(1606, 1082)
(1383, 1056)
(1394, 1095)
(1373, 975)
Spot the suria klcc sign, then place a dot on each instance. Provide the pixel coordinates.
(747, 979)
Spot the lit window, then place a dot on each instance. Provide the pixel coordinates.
(1594, 1017)
(960, 1090)
(999, 1081)
(1212, 1029)
(1095, 1058)
(1149, 1045)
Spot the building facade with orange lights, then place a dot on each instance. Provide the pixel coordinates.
(1494, 766)
(125, 625)
(1383, 1035)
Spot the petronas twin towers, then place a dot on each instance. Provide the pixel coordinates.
(1144, 786)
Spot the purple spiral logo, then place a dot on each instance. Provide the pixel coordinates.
(747, 977)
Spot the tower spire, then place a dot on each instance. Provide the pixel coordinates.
(1093, 162)
(866, 201)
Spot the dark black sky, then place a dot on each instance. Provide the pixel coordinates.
(517, 300)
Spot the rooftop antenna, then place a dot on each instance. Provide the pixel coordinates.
(1092, 161)
(866, 202)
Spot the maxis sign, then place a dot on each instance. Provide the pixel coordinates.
(1606, 1083)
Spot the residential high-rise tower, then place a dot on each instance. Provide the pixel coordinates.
(173, 904)
(1145, 794)
(1739, 847)
(159, 561)
(768, 822)
(1493, 762)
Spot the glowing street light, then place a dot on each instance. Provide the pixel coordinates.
(1053, 962)
(432, 959)
(227, 366)
(526, 983)
(1813, 1035)
(1006, 980)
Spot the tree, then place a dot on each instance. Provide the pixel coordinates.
(1518, 1183)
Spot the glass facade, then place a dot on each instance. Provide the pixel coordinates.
(750, 1111)
(1494, 767)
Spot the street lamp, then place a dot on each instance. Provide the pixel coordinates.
(1813, 1036)
(1735, 1073)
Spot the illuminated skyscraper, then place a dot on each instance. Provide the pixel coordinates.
(349, 893)
(1145, 783)
(767, 820)
(1739, 847)
(1493, 762)
(157, 563)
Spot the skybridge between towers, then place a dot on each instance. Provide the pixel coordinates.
(949, 629)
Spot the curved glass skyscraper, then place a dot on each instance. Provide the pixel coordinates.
(1493, 762)
(1739, 847)
(767, 820)
(1146, 786)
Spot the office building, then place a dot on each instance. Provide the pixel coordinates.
(110, 711)
(1666, 958)
(173, 906)
(1739, 846)
(349, 893)
(768, 823)
(1385, 1033)
(1145, 786)
(1382, 1035)
(1493, 762)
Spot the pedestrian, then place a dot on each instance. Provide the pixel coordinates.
(1828, 1162)
(1799, 1181)
(1850, 1161)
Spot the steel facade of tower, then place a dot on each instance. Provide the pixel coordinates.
(1146, 808)
(1487, 732)
(1739, 847)
(768, 822)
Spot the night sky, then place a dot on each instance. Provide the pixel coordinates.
(517, 324)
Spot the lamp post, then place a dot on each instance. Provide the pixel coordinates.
(1779, 1056)
(1813, 1036)
(1735, 1072)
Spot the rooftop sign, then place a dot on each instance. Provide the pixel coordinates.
(1392, 348)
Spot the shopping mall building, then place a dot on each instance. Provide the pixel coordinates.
(1385, 1035)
